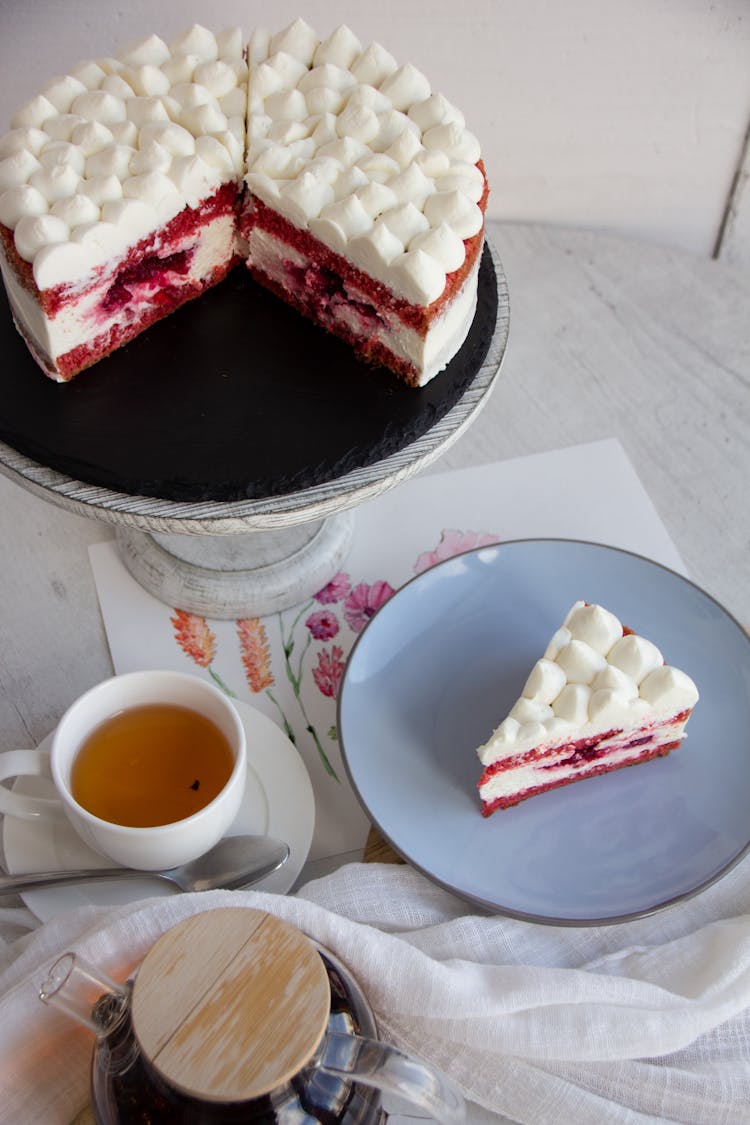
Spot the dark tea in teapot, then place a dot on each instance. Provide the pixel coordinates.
(237, 1016)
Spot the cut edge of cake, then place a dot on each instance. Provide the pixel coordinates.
(599, 699)
(68, 327)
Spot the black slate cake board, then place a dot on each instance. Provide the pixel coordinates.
(232, 397)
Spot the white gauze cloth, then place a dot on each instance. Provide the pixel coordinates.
(641, 1022)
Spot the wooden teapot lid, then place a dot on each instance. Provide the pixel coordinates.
(230, 1004)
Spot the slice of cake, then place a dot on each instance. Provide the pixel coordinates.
(366, 197)
(600, 698)
(119, 186)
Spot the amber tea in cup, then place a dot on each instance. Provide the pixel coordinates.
(151, 764)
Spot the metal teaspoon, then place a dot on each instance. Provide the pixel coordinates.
(236, 861)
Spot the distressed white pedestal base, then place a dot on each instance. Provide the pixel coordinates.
(252, 557)
(245, 575)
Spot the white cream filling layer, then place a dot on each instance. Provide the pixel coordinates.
(549, 770)
(428, 354)
(80, 322)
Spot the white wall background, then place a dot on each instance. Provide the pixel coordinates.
(625, 115)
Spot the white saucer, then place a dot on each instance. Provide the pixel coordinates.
(278, 801)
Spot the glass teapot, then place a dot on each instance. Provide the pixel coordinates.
(237, 1016)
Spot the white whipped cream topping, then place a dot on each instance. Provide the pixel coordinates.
(380, 123)
(107, 154)
(592, 677)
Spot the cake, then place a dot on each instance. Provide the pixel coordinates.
(599, 699)
(347, 186)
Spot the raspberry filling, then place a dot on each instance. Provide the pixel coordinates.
(186, 224)
(582, 750)
(418, 317)
(152, 273)
(324, 293)
(588, 750)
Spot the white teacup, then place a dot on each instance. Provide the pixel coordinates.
(152, 848)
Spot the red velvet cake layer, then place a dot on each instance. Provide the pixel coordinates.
(594, 771)
(165, 301)
(314, 296)
(587, 757)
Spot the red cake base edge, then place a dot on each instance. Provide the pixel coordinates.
(595, 771)
(584, 752)
(86, 355)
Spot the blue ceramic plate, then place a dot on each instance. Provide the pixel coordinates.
(444, 660)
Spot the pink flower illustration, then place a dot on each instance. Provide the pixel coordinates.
(330, 670)
(256, 656)
(323, 625)
(364, 601)
(453, 543)
(335, 590)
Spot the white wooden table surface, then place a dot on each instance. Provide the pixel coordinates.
(609, 337)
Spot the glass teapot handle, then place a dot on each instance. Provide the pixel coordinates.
(89, 996)
(387, 1069)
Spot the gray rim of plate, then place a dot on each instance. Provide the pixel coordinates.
(496, 908)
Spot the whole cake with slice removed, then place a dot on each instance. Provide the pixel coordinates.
(351, 189)
(600, 698)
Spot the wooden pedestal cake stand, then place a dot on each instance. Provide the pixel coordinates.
(230, 444)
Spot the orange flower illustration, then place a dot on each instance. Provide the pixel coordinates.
(194, 637)
(256, 654)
